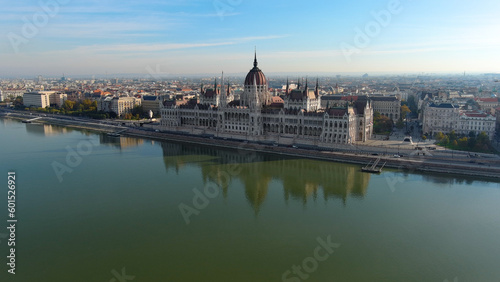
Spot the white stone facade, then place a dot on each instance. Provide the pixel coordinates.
(447, 117)
(300, 120)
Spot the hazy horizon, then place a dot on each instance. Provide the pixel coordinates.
(189, 38)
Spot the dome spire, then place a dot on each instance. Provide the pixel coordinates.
(255, 58)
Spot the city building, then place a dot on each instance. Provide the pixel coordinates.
(256, 116)
(440, 118)
(13, 93)
(497, 114)
(57, 98)
(447, 117)
(151, 103)
(389, 106)
(43, 99)
(118, 105)
(36, 99)
(477, 122)
(487, 103)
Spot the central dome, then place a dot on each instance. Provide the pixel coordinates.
(255, 75)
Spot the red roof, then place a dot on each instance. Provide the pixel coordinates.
(276, 99)
(255, 75)
(475, 114)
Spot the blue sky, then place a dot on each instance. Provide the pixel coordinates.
(191, 37)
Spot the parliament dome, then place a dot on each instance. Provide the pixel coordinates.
(255, 75)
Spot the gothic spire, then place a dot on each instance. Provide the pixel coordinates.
(222, 84)
(317, 87)
(255, 59)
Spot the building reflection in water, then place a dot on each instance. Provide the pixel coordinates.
(302, 179)
(121, 142)
(46, 129)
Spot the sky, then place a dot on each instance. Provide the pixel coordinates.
(172, 37)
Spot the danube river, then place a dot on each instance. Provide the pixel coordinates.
(96, 208)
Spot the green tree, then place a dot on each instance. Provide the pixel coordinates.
(68, 105)
(381, 123)
(404, 111)
(412, 104)
(445, 141)
(18, 102)
(462, 142)
(439, 136)
(138, 111)
(452, 136)
(400, 124)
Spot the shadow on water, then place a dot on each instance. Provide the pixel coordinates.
(438, 178)
(301, 179)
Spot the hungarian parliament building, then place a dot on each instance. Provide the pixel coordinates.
(295, 117)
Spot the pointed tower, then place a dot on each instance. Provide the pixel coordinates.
(316, 92)
(306, 90)
(255, 59)
(287, 86)
(222, 101)
(255, 81)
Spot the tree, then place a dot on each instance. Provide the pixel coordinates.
(439, 136)
(452, 136)
(138, 111)
(412, 103)
(381, 123)
(400, 124)
(404, 111)
(86, 104)
(18, 102)
(68, 105)
(462, 142)
(445, 141)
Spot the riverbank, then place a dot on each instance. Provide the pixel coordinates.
(414, 161)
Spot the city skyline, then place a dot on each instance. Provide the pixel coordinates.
(205, 37)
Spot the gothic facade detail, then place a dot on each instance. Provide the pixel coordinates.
(300, 119)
